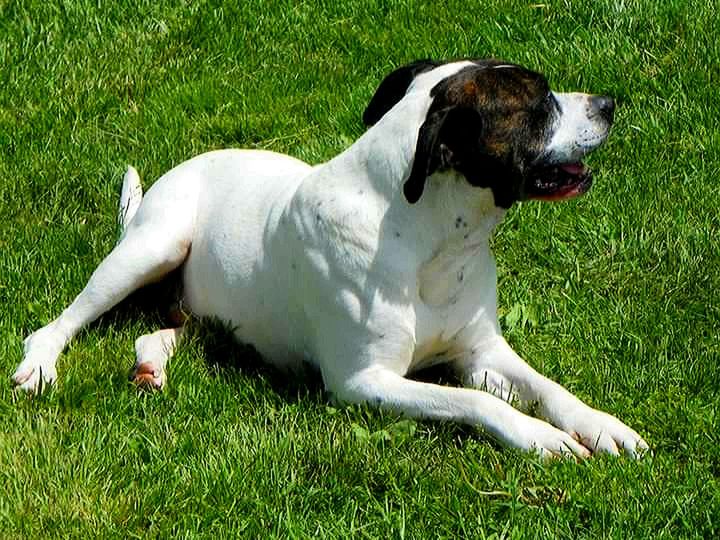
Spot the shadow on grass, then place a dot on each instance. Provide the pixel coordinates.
(233, 362)
(152, 304)
(236, 362)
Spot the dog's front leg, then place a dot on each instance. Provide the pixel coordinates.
(386, 389)
(496, 368)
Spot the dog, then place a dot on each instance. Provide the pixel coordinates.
(376, 263)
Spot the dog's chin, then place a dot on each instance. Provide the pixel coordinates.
(559, 182)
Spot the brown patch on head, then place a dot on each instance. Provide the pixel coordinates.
(489, 122)
(470, 89)
(497, 147)
(512, 101)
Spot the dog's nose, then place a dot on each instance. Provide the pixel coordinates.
(604, 107)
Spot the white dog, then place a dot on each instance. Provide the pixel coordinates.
(374, 264)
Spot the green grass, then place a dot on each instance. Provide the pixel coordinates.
(614, 295)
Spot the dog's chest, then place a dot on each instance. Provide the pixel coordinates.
(457, 299)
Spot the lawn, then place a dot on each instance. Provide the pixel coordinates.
(614, 295)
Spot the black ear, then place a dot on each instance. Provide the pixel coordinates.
(393, 88)
(450, 137)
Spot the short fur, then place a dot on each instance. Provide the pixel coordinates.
(374, 264)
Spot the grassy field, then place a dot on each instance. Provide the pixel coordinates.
(614, 295)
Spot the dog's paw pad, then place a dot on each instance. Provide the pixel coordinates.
(146, 375)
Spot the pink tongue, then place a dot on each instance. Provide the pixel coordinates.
(573, 168)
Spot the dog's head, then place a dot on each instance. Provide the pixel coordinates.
(501, 127)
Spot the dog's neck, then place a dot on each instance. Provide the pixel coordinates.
(456, 215)
(460, 221)
(452, 223)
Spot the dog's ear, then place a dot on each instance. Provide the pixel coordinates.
(393, 88)
(449, 138)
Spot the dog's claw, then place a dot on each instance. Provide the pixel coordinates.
(602, 433)
(34, 381)
(21, 377)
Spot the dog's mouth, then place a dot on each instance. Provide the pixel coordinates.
(559, 182)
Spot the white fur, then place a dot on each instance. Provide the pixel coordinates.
(577, 130)
(331, 265)
(130, 197)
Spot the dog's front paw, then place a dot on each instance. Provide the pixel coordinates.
(37, 370)
(539, 437)
(603, 433)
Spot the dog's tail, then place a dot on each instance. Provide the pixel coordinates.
(130, 197)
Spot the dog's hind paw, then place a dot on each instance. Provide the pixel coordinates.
(34, 380)
(152, 352)
(37, 370)
(147, 375)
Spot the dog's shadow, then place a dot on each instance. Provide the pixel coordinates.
(230, 361)
(240, 364)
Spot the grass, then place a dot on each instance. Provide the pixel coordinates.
(614, 295)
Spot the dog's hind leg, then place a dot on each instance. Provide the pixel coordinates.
(156, 241)
(152, 354)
